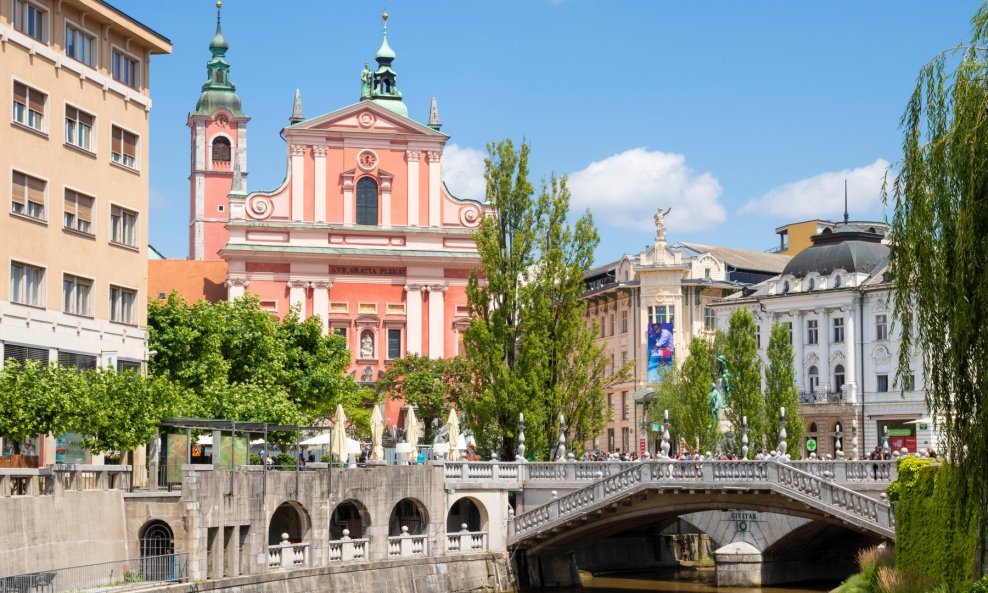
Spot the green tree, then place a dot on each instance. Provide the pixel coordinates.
(746, 381)
(34, 399)
(527, 344)
(432, 385)
(686, 394)
(938, 263)
(780, 389)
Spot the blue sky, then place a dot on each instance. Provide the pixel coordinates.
(741, 116)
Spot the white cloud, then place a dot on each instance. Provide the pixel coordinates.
(822, 196)
(463, 172)
(626, 189)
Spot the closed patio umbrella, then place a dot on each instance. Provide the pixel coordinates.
(412, 434)
(377, 434)
(338, 444)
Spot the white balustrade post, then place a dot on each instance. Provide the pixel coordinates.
(405, 543)
(286, 552)
(347, 547)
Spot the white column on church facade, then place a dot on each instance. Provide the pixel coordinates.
(386, 200)
(296, 295)
(348, 198)
(298, 181)
(236, 286)
(437, 316)
(851, 352)
(320, 302)
(319, 185)
(413, 313)
(413, 186)
(435, 182)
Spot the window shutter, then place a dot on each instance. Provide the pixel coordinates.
(20, 93)
(117, 141)
(130, 144)
(71, 113)
(87, 119)
(19, 188)
(23, 354)
(84, 208)
(35, 190)
(36, 101)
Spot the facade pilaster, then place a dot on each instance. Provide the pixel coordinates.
(386, 200)
(437, 302)
(348, 203)
(413, 306)
(319, 185)
(320, 302)
(236, 286)
(798, 342)
(850, 342)
(413, 186)
(298, 181)
(296, 295)
(435, 182)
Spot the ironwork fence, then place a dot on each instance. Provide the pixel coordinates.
(123, 573)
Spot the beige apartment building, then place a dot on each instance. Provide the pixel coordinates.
(75, 76)
(671, 287)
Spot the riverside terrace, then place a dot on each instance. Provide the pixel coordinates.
(245, 521)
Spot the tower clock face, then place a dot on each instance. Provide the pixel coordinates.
(367, 160)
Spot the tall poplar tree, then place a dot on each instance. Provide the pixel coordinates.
(529, 346)
(687, 397)
(780, 389)
(938, 262)
(745, 370)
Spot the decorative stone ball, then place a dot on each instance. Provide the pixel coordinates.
(554, 494)
(463, 526)
(284, 536)
(404, 530)
(346, 533)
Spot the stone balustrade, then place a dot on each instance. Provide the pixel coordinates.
(288, 554)
(348, 550)
(407, 545)
(466, 541)
(55, 479)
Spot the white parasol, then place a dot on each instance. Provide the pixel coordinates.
(338, 445)
(412, 434)
(377, 434)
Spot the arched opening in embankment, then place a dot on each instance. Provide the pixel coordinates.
(289, 518)
(467, 511)
(410, 513)
(350, 515)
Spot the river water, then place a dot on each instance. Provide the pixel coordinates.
(680, 580)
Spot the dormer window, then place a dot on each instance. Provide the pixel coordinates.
(222, 149)
(837, 282)
(785, 287)
(812, 283)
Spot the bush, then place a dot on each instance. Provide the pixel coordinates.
(255, 459)
(324, 458)
(285, 461)
(979, 586)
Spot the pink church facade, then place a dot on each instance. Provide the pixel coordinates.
(362, 232)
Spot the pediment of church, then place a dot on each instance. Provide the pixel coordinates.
(367, 116)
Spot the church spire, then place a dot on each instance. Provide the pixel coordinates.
(434, 116)
(383, 82)
(846, 217)
(296, 109)
(218, 92)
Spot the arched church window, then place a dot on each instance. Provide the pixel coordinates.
(367, 201)
(838, 377)
(221, 149)
(814, 374)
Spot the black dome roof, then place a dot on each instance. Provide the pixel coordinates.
(846, 247)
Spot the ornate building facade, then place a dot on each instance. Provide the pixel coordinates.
(362, 231)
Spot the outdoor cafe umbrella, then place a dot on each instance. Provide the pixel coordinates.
(338, 445)
(454, 435)
(412, 429)
(377, 433)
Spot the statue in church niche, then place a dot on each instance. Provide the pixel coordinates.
(660, 223)
(366, 78)
(367, 346)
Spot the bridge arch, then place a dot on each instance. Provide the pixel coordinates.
(351, 514)
(410, 513)
(157, 541)
(467, 510)
(290, 517)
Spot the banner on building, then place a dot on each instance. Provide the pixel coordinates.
(660, 351)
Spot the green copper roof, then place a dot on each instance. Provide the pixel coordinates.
(218, 92)
(381, 86)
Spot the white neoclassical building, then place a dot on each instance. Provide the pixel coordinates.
(835, 300)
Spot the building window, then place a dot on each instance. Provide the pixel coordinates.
(394, 343)
(611, 323)
(125, 69)
(837, 281)
(79, 45)
(624, 405)
(706, 273)
(79, 212)
(626, 439)
(122, 305)
(367, 201)
(30, 20)
(812, 332)
(758, 336)
(709, 319)
(788, 325)
(883, 383)
(814, 375)
(128, 365)
(881, 328)
(610, 439)
(340, 331)
(909, 381)
(603, 328)
(79, 128)
(74, 360)
(610, 403)
(75, 295)
(839, 377)
(28, 195)
(624, 322)
(221, 149)
(123, 149)
(29, 106)
(624, 358)
(123, 226)
(22, 354)
(27, 284)
(838, 330)
(662, 314)
(612, 363)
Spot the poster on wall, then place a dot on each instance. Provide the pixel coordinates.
(660, 351)
(233, 450)
(176, 455)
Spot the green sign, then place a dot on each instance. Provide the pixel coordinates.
(811, 444)
(924, 427)
(900, 432)
(655, 427)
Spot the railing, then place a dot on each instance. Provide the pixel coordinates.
(106, 575)
(54, 479)
(405, 545)
(288, 554)
(821, 397)
(465, 541)
(821, 492)
(857, 471)
(348, 550)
